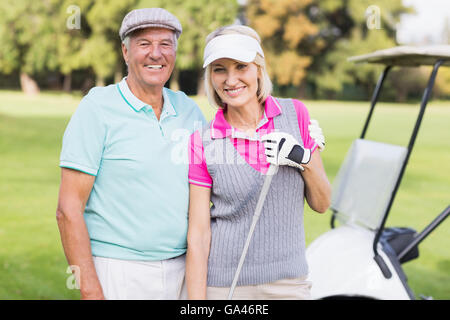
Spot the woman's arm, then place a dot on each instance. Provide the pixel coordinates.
(282, 149)
(198, 239)
(317, 186)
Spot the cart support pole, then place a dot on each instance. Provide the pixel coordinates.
(375, 97)
(418, 239)
(425, 98)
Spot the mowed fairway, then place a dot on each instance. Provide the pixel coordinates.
(32, 262)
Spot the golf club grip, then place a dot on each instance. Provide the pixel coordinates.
(259, 205)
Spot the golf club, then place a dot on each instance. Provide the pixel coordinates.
(262, 197)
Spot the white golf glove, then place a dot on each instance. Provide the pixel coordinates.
(316, 133)
(283, 149)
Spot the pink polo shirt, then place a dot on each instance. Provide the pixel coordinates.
(251, 149)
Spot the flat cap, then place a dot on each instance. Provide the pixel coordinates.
(149, 17)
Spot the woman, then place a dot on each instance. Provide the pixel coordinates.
(251, 130)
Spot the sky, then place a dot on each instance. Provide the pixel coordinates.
(427, 23)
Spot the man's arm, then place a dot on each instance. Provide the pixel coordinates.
(74, 192)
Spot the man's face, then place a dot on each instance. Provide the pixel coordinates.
(151, 56)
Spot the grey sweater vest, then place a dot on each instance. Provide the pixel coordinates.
(277, 248)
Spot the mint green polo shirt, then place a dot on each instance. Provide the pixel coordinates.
(138, 206)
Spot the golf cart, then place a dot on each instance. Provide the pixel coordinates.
(361, 258)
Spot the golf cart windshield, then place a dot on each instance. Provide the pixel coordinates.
(368, 180)
(365, 181)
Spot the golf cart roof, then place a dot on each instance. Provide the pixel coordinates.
(407, 56)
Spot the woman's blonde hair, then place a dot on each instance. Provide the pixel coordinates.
(264, 82)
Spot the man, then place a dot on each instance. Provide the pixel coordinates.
(123, 200)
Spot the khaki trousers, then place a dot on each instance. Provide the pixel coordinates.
(285, 289)
(139, 280)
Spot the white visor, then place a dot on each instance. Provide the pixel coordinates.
(233, 46)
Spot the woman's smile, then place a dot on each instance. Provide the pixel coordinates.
(234, 92)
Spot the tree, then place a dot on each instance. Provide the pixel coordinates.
(443, 77)
(40, 36)
(287, 35)
(371, 28)
(72, 32)
(102, 51)
(307, 42)
(63, 36)
(28, 41)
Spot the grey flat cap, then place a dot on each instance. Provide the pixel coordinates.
(149, 17)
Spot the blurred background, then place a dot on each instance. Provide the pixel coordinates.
(53, 51)
(73, 45)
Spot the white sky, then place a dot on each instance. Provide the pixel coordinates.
(427, 23)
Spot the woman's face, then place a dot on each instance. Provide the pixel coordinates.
(235, 82)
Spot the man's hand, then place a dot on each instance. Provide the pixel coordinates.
(93, 296)
(316, 133)
(283, 149)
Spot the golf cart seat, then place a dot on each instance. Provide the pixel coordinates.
(396, 239)
(364, 183)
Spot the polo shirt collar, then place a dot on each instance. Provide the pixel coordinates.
(168, 107)
(220, 128)
(137, 104)
(272, 107)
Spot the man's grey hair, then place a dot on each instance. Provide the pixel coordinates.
(126, 41)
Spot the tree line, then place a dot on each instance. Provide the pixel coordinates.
(67, 44)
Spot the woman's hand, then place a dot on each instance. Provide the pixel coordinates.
(283, 149)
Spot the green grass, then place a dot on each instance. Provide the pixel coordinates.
(32, 262)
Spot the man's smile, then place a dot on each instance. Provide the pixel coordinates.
(154, 66)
